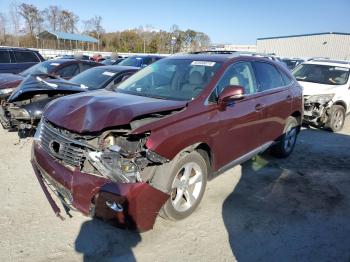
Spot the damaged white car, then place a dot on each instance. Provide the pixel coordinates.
(326, 87)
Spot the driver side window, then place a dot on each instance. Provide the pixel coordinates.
(240, 74)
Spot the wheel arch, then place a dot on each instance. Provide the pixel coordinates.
(341, 103)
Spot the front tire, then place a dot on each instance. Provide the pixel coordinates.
(186, 184)
(285, 145)
(336, 119)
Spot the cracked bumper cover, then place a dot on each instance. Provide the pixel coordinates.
(140, 202)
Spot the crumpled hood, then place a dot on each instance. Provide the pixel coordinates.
(8, 80)
(31, 84)
(97, 110)
(310, 89)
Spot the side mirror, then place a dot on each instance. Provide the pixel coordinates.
(230, 94)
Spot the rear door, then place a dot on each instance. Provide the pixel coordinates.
(24, 59)
(274, 99)
(240, 122)
(5, 62)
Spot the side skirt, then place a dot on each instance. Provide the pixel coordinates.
(243, 158)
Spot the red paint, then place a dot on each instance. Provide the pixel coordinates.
(143, 201)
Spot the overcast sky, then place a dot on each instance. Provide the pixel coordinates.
(229, 21)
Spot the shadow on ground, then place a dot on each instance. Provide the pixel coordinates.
(295, 209)
(99, 241)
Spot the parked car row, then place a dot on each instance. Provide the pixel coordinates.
(131, 143)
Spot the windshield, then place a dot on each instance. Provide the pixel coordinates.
(173, 79)
(322, 74)
(42, 68)
(132, 61)
(111, 61)
(93, 78)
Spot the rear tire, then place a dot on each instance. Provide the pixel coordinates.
(336, 119)
(285, 145)
(186, 185)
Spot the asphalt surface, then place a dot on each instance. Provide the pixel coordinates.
(295, 209)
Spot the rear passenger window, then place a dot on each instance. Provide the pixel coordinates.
(5, 57)
(147, 61)
(85, 67)
(268, 76)
(287, 80)
(25, 57)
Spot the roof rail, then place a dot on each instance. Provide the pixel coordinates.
(224, 52)
(328, 60)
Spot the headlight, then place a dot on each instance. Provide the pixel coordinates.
(6, 91)
(321, 99)
(19, 113)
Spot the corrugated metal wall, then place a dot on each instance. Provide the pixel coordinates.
(335, 46)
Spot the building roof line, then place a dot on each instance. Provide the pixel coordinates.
(288, 36)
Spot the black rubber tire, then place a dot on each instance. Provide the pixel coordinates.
(278, 149)
(168, 211)
(332, 123)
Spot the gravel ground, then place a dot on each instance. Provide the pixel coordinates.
(295, 209)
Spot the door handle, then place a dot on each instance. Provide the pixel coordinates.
(289, 97)
(258, 107)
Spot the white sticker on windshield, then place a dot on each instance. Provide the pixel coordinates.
(55, 64)
(342, 69)
(203, 63)
(106, 73)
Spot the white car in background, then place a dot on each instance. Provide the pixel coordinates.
(326, 87)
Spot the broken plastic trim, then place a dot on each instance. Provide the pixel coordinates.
(154, 157)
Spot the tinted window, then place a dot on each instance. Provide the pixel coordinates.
(5, 57)
(240, 74)
(286, 79)
(268, 76)
(147, 61)
(85, 66)
(25, 57)
(68, 71)
(132, 61)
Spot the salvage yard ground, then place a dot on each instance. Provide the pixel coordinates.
(295, 209)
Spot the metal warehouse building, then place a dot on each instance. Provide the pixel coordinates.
(331, 45)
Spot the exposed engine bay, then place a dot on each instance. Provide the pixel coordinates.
(316, 110)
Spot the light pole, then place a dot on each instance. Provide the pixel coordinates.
(173, 41)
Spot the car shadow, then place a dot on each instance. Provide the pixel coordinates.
(294, 209)
(100, 241)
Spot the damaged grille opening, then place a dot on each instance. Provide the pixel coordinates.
(116, 154)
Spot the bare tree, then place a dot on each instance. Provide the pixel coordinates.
(15, 20)
(93, 26)
(52, 15)
(3, 27)
(31, 15)
(68, 21)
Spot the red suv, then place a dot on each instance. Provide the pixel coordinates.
(149, 145)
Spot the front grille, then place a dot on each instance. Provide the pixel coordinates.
(60, 146)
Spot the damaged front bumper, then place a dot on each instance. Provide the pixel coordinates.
(316, 111)
(128, 205)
